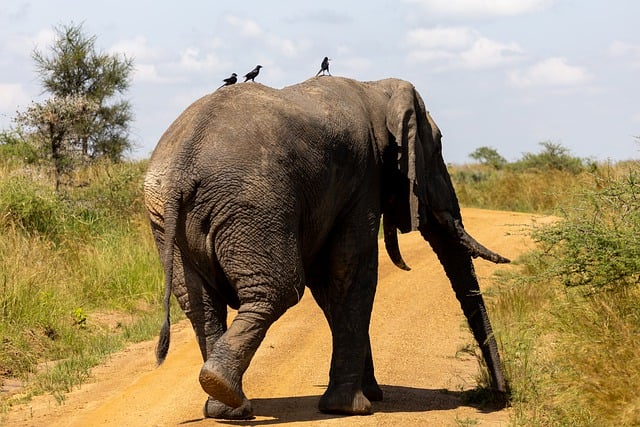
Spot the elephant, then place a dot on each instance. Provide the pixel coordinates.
(255, 194)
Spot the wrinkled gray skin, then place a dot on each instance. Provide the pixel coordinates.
(260, 192)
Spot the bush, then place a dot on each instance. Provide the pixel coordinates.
(598, 240)
(34, 208)
(569, 320)
(15, 151)
(536, 183)
(553, 157)
(489, 156)
(66, 258)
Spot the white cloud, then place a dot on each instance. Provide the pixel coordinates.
(442, 37)
(192, 60)
(251, 29)
(24, 45)
(482, 8)
(486, 53)
(149, 73)
(459, 47)
(288, 47)
(138, 48)
(626, 50)
(247, 27)
(550, 72)
(12, 95)
(356, 65)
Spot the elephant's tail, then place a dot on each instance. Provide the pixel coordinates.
(170, 223)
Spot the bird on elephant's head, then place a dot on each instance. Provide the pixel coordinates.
(247, 214)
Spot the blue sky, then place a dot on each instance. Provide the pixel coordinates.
(501, 73)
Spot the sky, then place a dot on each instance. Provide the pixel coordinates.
(506, 74)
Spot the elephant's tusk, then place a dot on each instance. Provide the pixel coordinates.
(391, 244)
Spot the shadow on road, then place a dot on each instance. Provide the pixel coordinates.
(396, 399)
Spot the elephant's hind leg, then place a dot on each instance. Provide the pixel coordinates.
(265, 269)
(221, 375)
(215, 409)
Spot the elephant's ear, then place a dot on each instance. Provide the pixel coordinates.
(430, 192)
(405, 119)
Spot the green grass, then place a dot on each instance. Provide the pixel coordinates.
(568, 318)
(79, 273)
(532, 191)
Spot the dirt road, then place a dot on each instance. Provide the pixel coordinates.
(417, 330)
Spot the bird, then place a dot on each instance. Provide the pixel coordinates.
(230, 80)
(251, 75)
(324, 66)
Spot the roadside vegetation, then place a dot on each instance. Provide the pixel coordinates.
(568, 314)
(79, 274)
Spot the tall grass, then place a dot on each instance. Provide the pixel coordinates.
(569, 319)
(79, 272)
(530, 190)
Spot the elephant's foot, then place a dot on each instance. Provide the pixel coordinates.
(372, 391)
(219, 386)
(344, 400)
(215, 409)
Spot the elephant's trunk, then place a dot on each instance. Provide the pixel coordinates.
(391, 243)
(475, 249)
(459, 268)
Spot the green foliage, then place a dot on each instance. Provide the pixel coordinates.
(85, 119)
(523, 191)
(79, 273)
(569, 319)
(80, 317)
(535, 183)
(57, 126)
(599, 239)
(76, 69)
(34, 208)
(552, 157)
(14, 151)
(489, 156)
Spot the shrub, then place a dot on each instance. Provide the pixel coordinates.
(15, 151)
(552, 157)
(65, 258)
(569, 320)
(598, 241)
(34, 208)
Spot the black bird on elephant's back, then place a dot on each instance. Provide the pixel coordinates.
(251, 75)
(230, 80)
(324, 66)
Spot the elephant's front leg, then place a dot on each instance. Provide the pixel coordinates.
(370, 387)
(348, 304)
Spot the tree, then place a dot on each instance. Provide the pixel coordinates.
(75, 70)
(489, 156)
(55, 124)
(553, 156)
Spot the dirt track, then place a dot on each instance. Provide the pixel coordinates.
(417, 329)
